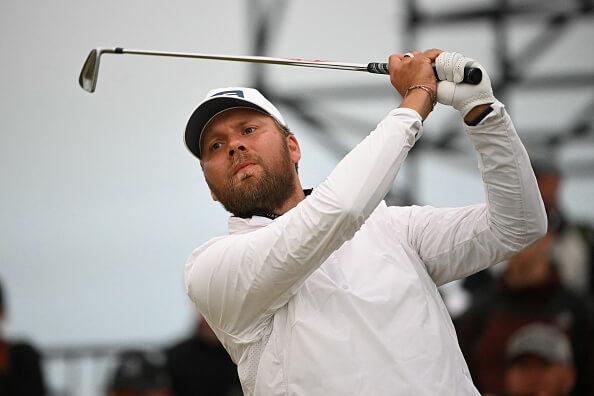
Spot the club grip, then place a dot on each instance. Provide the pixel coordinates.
(472, 75)
(378, 68)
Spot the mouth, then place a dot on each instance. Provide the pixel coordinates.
(242, 166)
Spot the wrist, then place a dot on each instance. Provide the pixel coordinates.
(419, 98)
(477, 114)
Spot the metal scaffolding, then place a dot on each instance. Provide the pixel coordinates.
(555, 16)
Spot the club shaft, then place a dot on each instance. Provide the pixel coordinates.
(89, 73)
(250, 59)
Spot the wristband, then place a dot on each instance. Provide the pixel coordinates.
(425, 88)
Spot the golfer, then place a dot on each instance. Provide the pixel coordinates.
(330, 291)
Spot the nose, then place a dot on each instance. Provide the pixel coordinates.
(236, 145)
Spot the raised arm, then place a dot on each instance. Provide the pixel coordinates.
(239, 281)
(457, 242)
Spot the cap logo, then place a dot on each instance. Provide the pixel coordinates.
(236, 92)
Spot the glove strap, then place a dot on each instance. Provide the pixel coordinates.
(425, 88)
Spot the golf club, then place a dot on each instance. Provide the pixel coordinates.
(90, 70)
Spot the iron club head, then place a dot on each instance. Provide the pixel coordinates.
(90, 70)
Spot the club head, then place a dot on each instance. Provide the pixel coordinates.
(90, 71)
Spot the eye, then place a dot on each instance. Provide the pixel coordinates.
(215, 146)
(249, 130)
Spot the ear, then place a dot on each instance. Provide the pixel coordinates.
(294, 149)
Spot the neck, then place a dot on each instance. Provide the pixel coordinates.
(297, 196)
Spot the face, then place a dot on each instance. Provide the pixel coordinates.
(248, 163)
(531, 375)
(531, 266)
(548, 184)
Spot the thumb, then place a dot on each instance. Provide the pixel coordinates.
(445, 92)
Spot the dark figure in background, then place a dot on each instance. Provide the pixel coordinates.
(20, 365)
(539, 362)
(530, 290)
(573, 248)
(139, 373)
(573, 251)
(200, 365)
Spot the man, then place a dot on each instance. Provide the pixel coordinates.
(336, 293)
(573, 250)
(529, 291)
(539, 362)
(139, 373)
(199, 365)
(20, 364)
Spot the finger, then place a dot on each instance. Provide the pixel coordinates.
(394, 59)
(440, 66)
(445, 92)
(449, 67)
(459, 66)
(457, 59)
(415, 54)
(447, 60)
(432, 53)
(412, 54)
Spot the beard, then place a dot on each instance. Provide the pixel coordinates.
(251, 192)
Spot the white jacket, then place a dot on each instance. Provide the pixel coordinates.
(339, 295)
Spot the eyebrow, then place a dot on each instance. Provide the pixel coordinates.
(240, 123)
(209, 134)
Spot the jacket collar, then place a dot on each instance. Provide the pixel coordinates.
(237, 225)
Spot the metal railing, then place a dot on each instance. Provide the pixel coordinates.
(83, 370)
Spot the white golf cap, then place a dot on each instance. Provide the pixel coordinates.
(543, 340)
(219, 100)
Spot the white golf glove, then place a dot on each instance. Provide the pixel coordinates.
(451, 91)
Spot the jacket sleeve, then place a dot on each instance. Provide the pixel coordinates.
(238, 281)
(456, 242)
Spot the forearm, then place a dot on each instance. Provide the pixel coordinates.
(302, 239)
(341, 204)
(419, 101)
(456, 242)
(363, 178)
(515, 209)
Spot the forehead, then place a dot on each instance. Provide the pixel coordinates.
(233, 118)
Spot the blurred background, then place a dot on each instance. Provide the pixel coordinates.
(101, 204)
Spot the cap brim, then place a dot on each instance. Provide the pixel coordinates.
(532, 354)
(205, 112)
